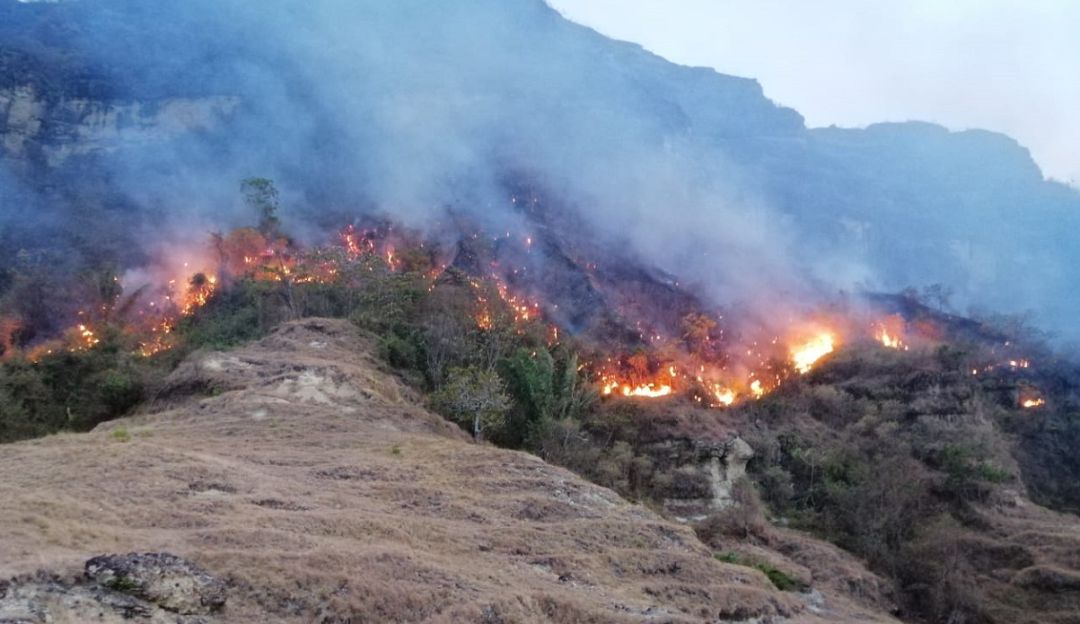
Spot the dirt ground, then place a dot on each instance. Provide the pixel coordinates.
(306, 476)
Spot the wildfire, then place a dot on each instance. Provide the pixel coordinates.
(892, 342)
(79, 338)
(805, 356)
(889, 332)
(85, 338)
(161, 340)
(524, 310)
(649, 390)
(356, 243)
(1033, 403)
(724, 396)
(374, 242)
(201, 289)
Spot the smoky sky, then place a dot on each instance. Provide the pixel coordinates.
(996, 64)
(411, 107)
(417, 109)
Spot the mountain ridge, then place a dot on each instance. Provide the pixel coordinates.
(605, 126)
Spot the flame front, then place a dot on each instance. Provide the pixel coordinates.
(892, 342)
(805, 356)
(649, 391)
(200, 290)
(724, 396)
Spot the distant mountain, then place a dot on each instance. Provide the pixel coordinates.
(115, 112)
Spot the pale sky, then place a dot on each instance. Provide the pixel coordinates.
(1006, 65)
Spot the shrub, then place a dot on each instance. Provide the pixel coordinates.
(400, 352)
(777, 577)
(777, 487)
(121, 434)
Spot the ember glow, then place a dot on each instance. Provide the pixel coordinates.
(87, 337)
(524, 310)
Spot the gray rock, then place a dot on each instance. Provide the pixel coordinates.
(160, 578)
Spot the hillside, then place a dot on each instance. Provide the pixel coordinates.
(776, 373)
(311, 481)
(360, 109)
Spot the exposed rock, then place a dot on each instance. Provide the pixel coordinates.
(154, 588)
(49, 133)
(163, 579)
(705, 477)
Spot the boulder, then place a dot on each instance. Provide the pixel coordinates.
(160, 578)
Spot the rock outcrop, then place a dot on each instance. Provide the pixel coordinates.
(154, 587)
(705, 474)
(35, 130)
(163, 579)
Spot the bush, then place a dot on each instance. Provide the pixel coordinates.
(238, 315)
(778, 578)
(120, 390)
(400, 352)
(68, 391)
(776, 487)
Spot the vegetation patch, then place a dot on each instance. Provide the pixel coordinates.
(778, 578)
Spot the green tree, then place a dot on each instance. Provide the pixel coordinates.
(544, 388)
(530, 376)
(473, 397)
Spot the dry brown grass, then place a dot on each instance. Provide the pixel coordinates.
(310, 479)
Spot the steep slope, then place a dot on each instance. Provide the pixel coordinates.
(912, 461)
(309, 479)
(398, 108)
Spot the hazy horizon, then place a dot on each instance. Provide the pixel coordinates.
(996, 65)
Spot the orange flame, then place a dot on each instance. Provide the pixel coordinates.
(804, 357)
(649, 390)
(892, 342)
(724, 396)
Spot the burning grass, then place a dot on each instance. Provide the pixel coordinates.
(438, 308)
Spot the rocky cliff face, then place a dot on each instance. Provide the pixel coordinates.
(38, 131)
(705, 472)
